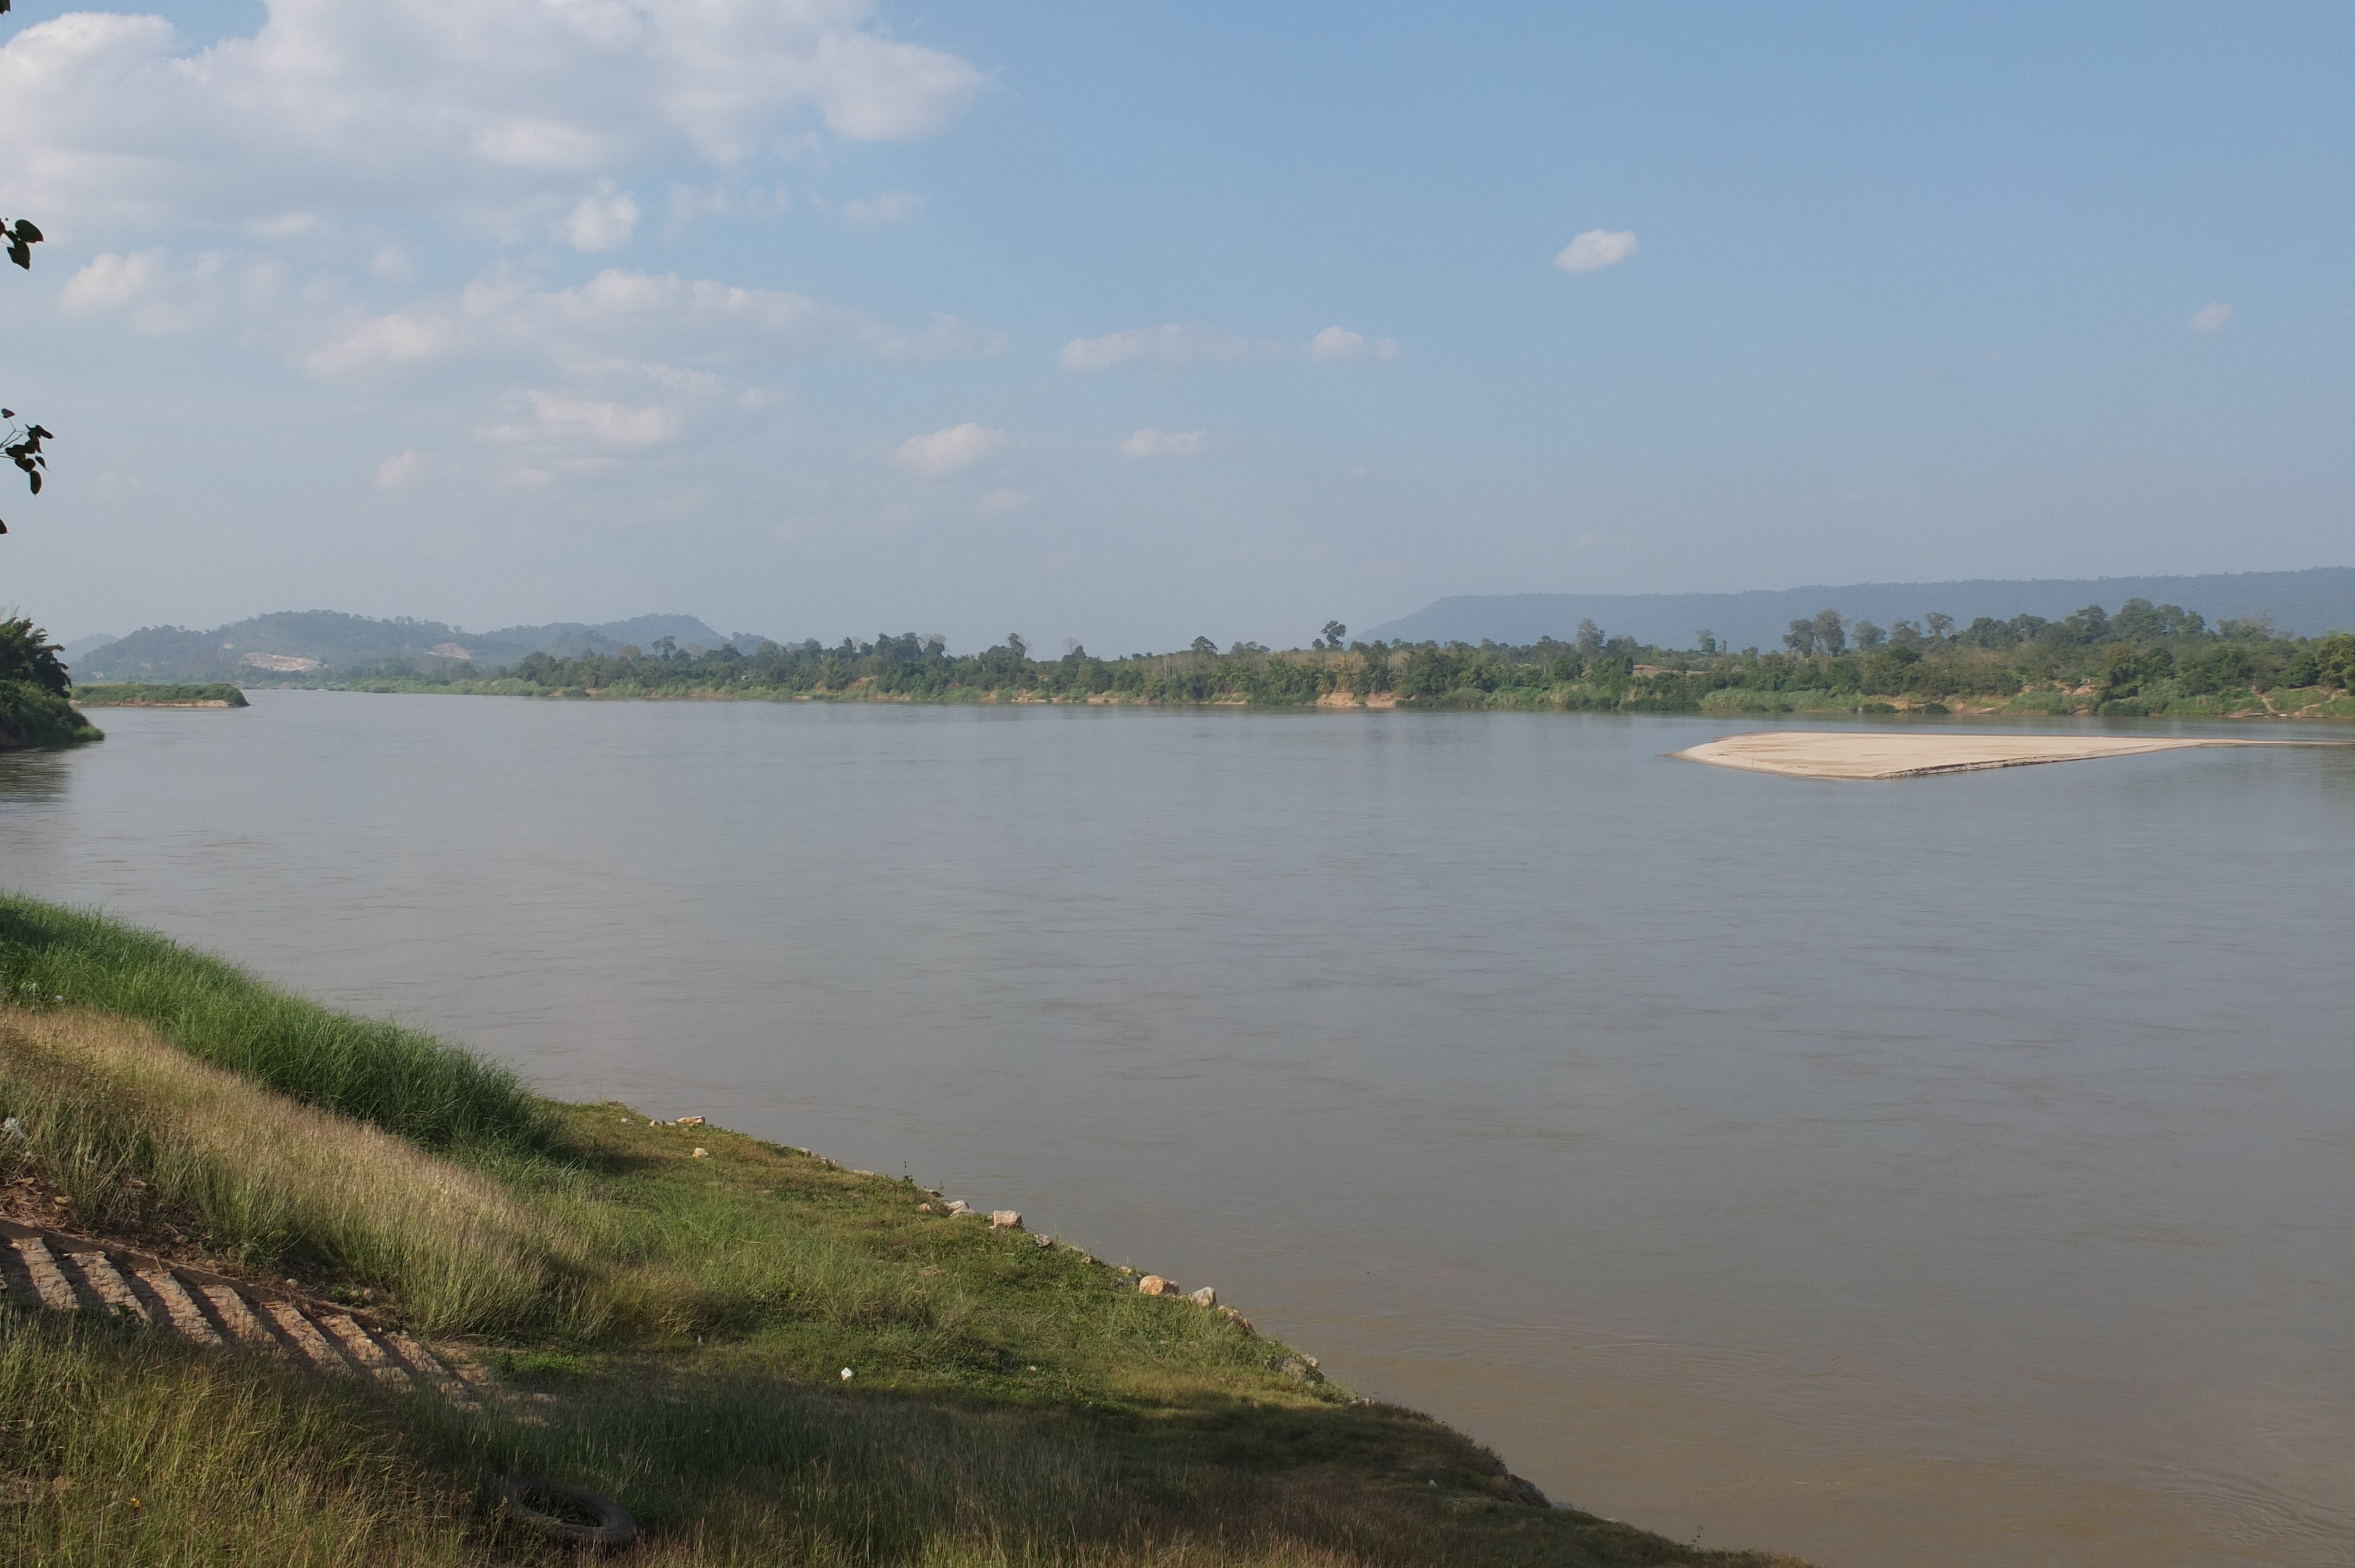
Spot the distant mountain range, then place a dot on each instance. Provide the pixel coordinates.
(302, 643)
(2310, 602)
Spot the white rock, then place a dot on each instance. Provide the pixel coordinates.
(847, 1374)
(1153, 1284)
(691, 1121)
(703, 1154)
(1004, 1220)
(1205, 1297)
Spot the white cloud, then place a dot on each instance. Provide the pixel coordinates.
(946, 452)
(1002, 501)
(382, 340)
(392, 264)
(443, 106)
(1171, 344)
(603, 221)
(1595, 250)
(155, 297)
(110, 282)
(689, 203)
(617, 312)
(1164, 443)
(2211, 318)
(568, 420)
(1340, 344)
(681, 316)
(398, 470)
(875, 212)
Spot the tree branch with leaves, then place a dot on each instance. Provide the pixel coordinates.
(21, 443)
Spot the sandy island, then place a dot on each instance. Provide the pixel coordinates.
(1852, 754)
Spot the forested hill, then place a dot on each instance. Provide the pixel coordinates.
(2312, 602)
(301, 641)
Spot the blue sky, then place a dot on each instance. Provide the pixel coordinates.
(1127, 324)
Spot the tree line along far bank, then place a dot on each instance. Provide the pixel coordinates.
(2145, 659)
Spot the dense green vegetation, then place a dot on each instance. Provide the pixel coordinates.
(135, 694)
(2147, 659)
(33, 686)
(684, 1298)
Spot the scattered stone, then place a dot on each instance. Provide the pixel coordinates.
(1153, 1284)
(1004, 1219)
(1237, 1319)
(690, 1121)
(1044, 1241)
(1205, 1297)
(703, 1154)
(847, 1374)
(923, 1208)
(1300, 1368)
(14, 1131)
(959, 1206)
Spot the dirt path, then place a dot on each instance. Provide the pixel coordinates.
(75, 1273)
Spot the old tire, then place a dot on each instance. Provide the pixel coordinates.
(556, 1510)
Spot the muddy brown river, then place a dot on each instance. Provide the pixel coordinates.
(1955, 1172)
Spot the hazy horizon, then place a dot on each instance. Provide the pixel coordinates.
(1131, 326)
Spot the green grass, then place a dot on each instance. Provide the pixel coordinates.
(132, 693)
(399, 1079)
(687, 1316)
(125, 1447)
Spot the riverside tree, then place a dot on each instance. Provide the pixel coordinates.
(21, 443)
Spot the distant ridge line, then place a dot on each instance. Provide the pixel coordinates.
(2312, 601)
(299, 642)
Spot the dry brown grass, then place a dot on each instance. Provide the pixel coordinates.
(124, 1121)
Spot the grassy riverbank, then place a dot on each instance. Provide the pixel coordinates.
(687, 1314)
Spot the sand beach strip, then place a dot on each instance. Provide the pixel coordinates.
(1866, 753)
